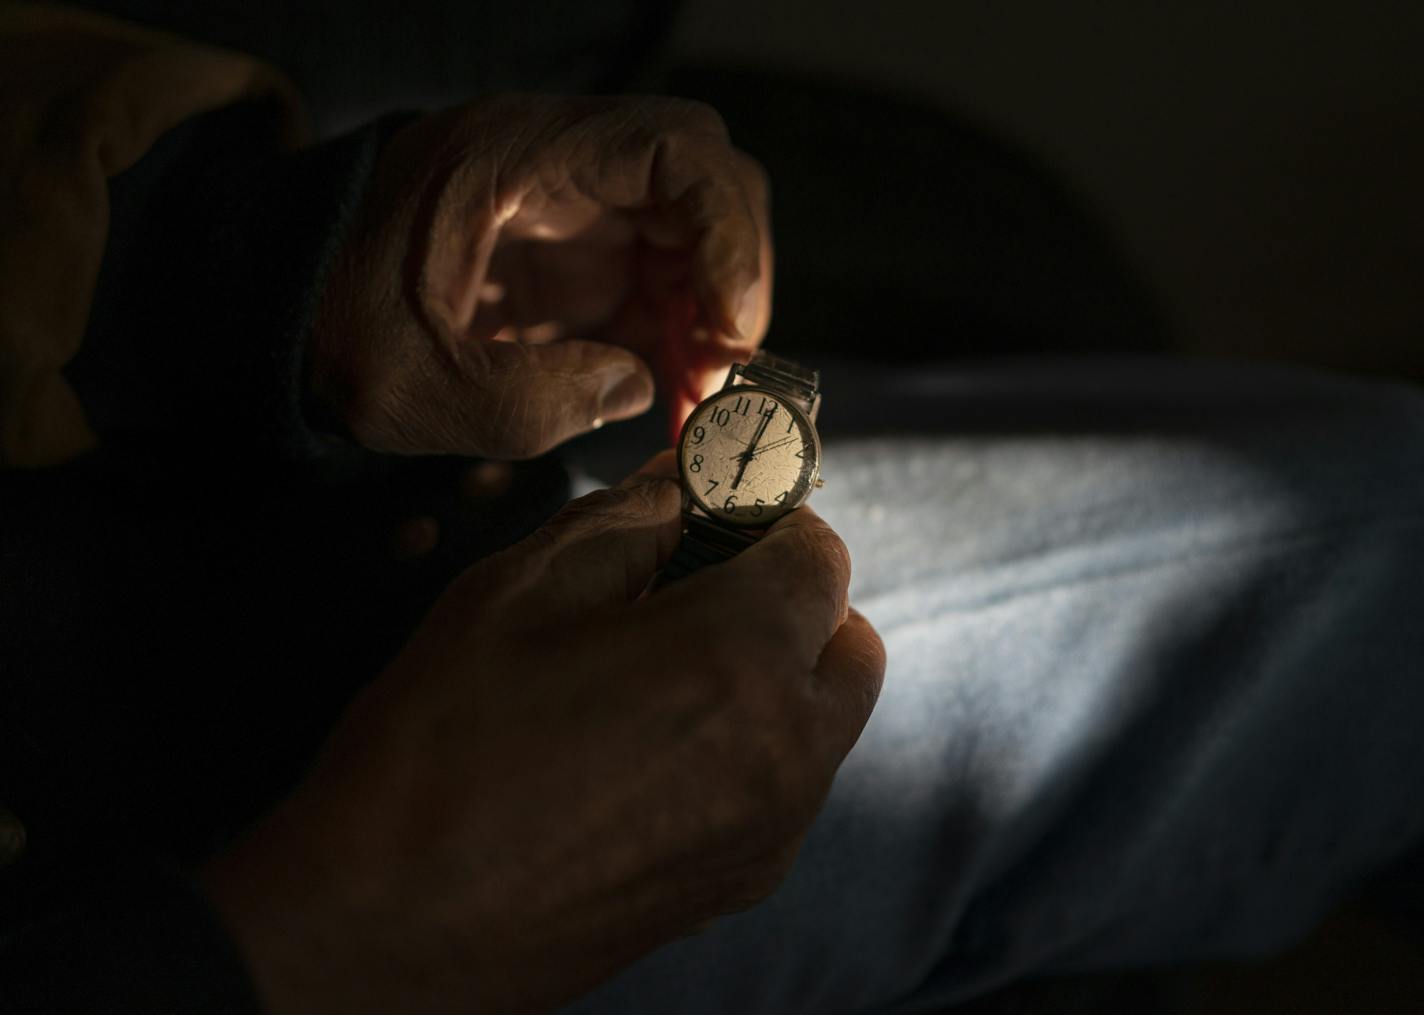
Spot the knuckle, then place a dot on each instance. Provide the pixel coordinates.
(871, 657)
(816, 551)
(689, 116)
(682, 129)
(702, 118)
(656, 495)
(823, 543)
(802, 544)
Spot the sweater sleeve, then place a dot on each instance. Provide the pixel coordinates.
(216, 255)
(218, 250)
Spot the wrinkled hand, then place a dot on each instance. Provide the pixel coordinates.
(523, 265)
(559, 773)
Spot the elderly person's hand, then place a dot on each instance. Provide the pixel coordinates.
(522, 262)
(559, 772)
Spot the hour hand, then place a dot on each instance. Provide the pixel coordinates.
(750, 453)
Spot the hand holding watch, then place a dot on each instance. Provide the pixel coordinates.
(747, 455)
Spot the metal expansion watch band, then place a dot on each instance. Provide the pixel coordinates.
(705, 541)
(798, 383)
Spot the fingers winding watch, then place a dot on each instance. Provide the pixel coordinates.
(747, 455)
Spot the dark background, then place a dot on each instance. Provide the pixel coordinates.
(1257, 164)
(975, 179)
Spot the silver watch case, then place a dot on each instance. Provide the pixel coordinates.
(805, 409)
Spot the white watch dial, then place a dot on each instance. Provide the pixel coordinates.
(748, 456)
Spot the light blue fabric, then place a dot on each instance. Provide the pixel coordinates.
(1155, 688)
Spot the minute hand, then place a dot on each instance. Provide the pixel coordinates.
(751, 448)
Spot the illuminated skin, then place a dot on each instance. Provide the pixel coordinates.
(752, 446)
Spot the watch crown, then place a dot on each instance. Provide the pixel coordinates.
(820, 483)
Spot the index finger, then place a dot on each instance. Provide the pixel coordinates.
(670, 165)
(671, 161)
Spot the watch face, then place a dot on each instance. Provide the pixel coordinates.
(748, 456)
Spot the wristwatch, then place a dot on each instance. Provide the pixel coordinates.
(747, 455)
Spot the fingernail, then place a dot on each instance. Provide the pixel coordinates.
(748, 310)
(624, 394)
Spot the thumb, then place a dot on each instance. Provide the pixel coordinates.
(604, 548)
(543, 395)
